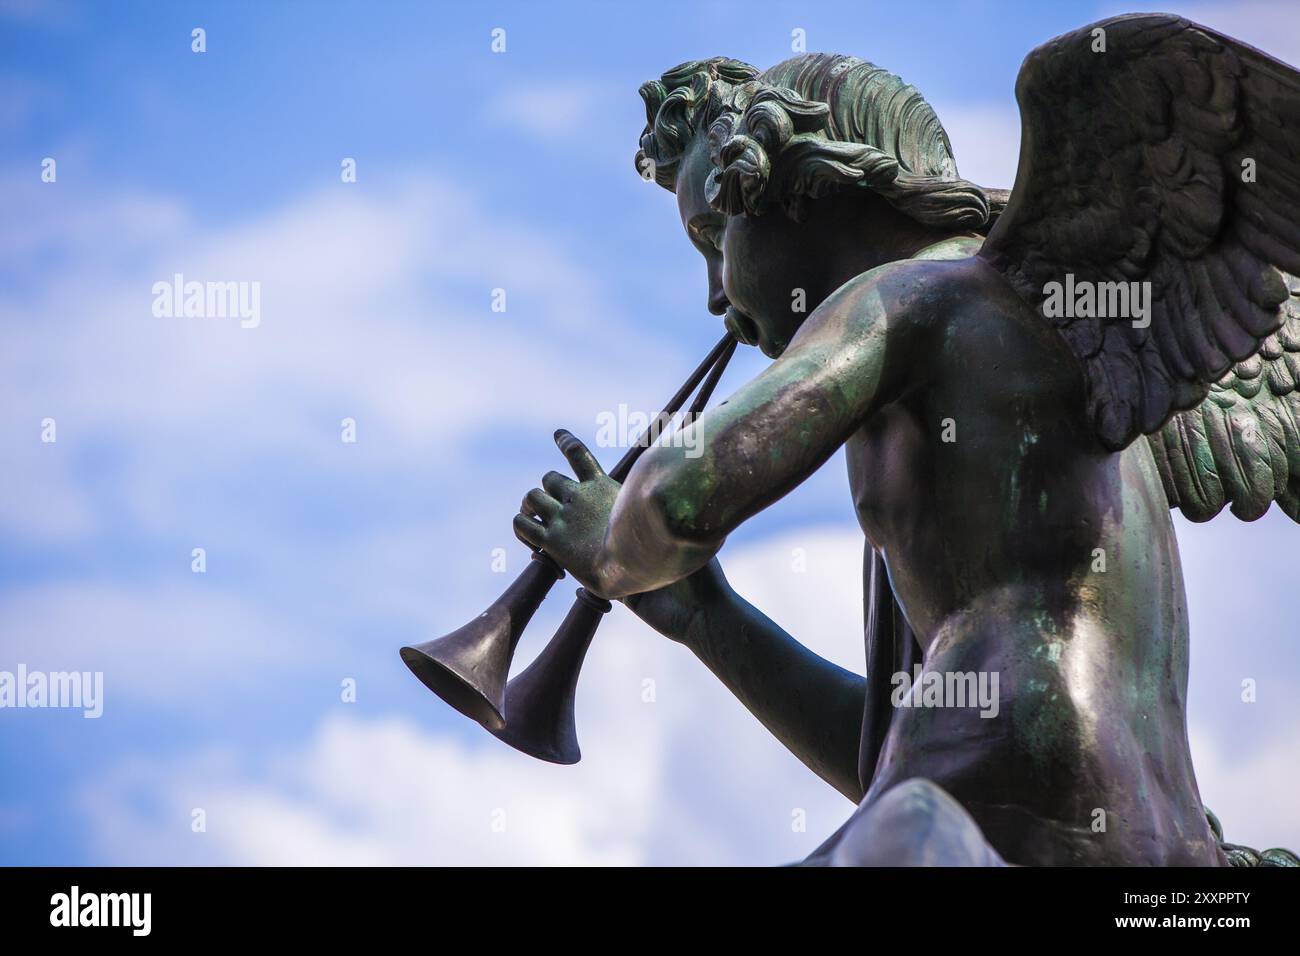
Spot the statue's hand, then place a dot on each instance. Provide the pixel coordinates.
(566, 518)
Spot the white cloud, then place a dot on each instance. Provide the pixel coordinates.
(1253, 793)
(690, 779)
(375, 306)
(160, 643)
(545, 109)
(985, 139)
(378, 793)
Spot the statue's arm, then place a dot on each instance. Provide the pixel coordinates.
(678, 504)
(673, 513)
(812, 706)
(659, 530)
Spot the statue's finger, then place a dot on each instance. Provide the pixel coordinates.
(538, 504)
(530, 532)
(583, 462)
(558, 486)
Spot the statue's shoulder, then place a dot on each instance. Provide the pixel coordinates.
(950, 250)
(921, 289)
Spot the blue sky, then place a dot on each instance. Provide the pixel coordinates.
(476, 171)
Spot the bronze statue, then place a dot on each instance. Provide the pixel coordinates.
(1025, 385)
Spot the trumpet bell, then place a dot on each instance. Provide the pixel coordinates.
(462, 668)
(469, 667)
(540, 702)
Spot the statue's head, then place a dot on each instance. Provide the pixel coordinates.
(781, 175)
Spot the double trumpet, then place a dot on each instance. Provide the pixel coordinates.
(470, 667)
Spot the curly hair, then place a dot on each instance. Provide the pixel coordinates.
(678, 104)
(806, 127)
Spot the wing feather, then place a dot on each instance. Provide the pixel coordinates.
(1241, 446)
(1170, 158)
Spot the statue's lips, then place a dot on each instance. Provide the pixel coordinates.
(741, 326)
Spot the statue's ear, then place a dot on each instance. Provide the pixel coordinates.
(712, 186)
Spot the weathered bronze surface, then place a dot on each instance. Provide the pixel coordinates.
(1025, 386)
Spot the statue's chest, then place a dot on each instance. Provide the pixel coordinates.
(887, 468)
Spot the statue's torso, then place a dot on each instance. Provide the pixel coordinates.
(1017, 545)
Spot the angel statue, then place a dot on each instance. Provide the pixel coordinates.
(1025, 384)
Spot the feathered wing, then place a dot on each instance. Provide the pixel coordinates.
(1170, 156)
(1241, 446)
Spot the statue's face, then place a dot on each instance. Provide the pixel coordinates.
(763, 270)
